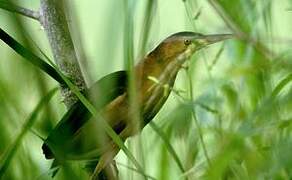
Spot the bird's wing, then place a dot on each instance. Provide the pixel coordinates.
(103, 92)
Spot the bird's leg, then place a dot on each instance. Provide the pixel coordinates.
(105, 162)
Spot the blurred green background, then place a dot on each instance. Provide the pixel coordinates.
(234, 90)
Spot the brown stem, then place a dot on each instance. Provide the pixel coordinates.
(53, 19)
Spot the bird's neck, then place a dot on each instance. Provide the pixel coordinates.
(155, 80)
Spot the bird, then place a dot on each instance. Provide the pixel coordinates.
(78, 136)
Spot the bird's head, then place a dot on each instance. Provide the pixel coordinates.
(180, 46)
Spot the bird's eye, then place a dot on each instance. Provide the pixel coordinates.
(187, 42)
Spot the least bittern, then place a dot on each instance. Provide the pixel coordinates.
(78, 136)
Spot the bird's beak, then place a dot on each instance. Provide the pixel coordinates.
(205, 40)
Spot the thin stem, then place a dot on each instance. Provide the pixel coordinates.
(198, 126)
(238, 32)
(149, 12)
(136, 170)
(170, 149)
(20, 10)
(7, 157)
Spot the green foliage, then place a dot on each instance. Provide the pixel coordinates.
(6, 158)
(231, 121)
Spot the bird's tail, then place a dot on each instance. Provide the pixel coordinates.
(47, 151)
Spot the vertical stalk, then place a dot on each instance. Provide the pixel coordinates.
(53, 19)
(197, 123)
(129, 66)
(135, 119)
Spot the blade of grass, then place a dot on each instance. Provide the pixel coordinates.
(168, 145)
(267, 15)
(268, 102)
(20, 10)
(7, 157)
(129, 9)
(149, 12)
(198, 126)
(281, 85)
(29, 56)
(136, 170)
(216, 58)
(238, 32)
